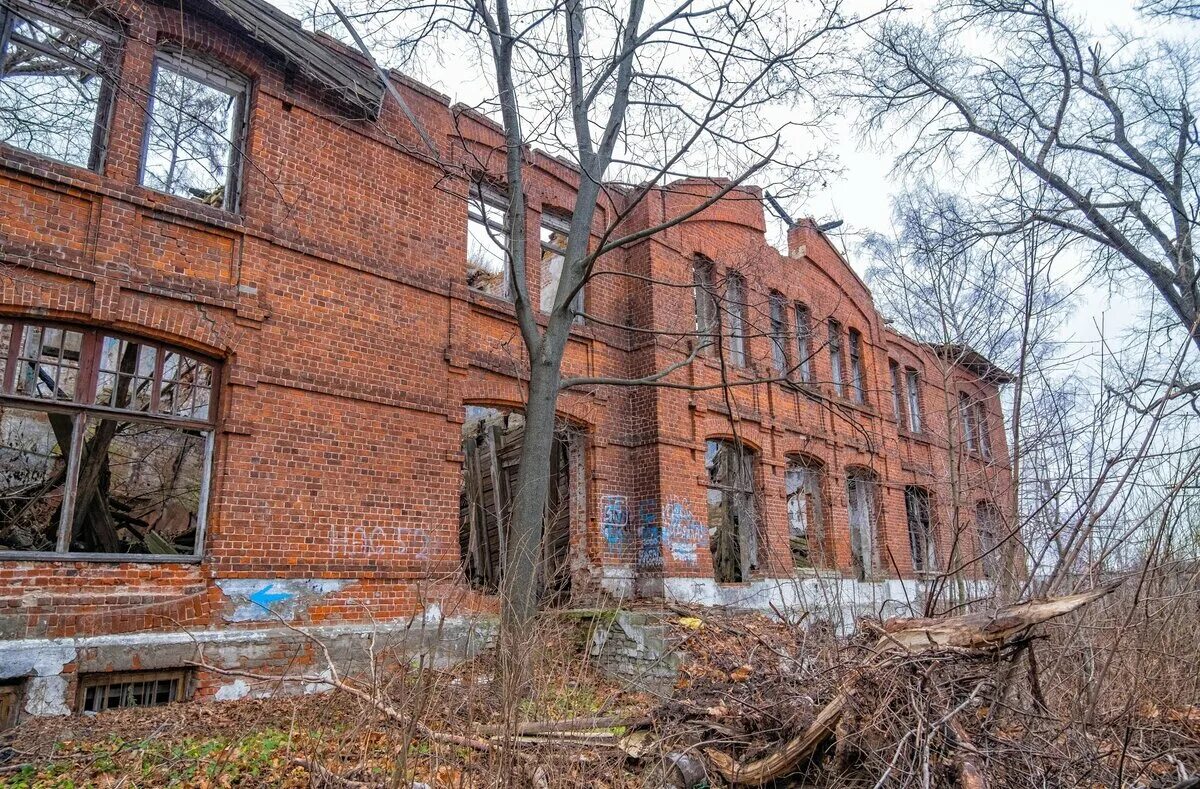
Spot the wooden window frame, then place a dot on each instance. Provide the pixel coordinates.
(179, 677)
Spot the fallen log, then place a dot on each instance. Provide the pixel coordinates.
(969, 632)
(569, 724)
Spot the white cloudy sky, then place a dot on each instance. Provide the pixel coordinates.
(861, 193)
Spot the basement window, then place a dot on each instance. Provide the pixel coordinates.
(105, 444)
(732, 519)
(195, 130)
(11, 692)
(487, 242)
(100, 692)
(55, 90)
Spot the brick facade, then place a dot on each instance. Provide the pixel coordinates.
(334, 298)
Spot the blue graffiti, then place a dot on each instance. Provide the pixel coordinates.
(684, 533)
(263, 597)
(614, 519)
(650, 531)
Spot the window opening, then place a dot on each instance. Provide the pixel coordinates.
(920, 529)
(836, 362)
(735, 296)
(897, 408)
(983, 434)
(989, 524)
(779, 335)
(804, 343)
(912, 381)
(806, 513)
(554, 233)
(100, 692)
(861, 493)
(857, 376)
(487, 242)
(707, 319)
(732, 519)
(967, 420)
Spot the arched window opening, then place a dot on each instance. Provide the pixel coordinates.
(491, 442)
(863, 515)
(920, 529)
(106, 443)
(806, 512)
(732, 518)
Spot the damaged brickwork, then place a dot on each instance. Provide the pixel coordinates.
(300, 326)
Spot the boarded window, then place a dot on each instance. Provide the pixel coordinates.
(554, 234)
(487, 242)
(105, 441)
(55, 86)
(912, 384)
(803, 343)
(779, 335)
(920, 528)
(837, 364)
(863, 516)
(735, 308)
(100, 692)
(732, 519)
(195, 130)
(492, 441)
(806, 512)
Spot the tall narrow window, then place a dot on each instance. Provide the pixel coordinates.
(554, 253)
(195, 129)
(735, 307)
(55, 86)
(912, 382)
(732, 521)
(858, 381)
(779, 334)
(920, 528)
(806, 513)
(966, 418)
(487, 242)
(105, 443)
(982, 431)
(989, 524)
(706, 303)
(897, 397)
(803, 343)
(860, 493)
(836, 362)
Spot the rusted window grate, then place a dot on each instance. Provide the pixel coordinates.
(100, 692)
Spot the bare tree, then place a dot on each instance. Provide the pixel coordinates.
(635, 95)
(1093, 137)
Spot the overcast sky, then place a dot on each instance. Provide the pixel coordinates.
(861, 193)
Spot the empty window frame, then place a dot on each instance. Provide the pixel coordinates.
(105, 444)
(989, 524)
(803, 343)
(735, 307)
(983, 430)
(100, 692)
(487, 242)
(779, 334)
(863, 516)
(195, 130)
(703, 289)
(858, 381)
(912, 384)
(966, 418)
(56, 78)
(732, 519)
(836, 362)
(897, 396)
(806, 512)
(920, 529)
(554, 234)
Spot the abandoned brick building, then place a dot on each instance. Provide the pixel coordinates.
(248, 376)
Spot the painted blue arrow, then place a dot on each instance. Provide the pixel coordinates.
(264, 598)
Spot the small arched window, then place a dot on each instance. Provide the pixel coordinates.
(105, 443)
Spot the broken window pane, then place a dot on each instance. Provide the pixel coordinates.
(194, 131)
(806, 518)
(860, 490)
(51, 88)
(487, 243)
(186, 387)
(33, 472)
(732, 521)
(126, 374)
(920, 529)
(48, 363)
(139, 488)
(554, 249)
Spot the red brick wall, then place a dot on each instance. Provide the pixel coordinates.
(350, 345)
